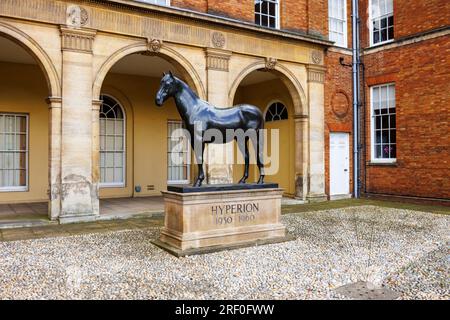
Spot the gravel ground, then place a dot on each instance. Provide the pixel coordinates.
(404, 250)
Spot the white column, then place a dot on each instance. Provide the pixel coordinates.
(79, 193)
(217, 68)
(316, 161)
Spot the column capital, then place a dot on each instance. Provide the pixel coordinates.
(217, 59)
(78, 40)
(301, 117)
(54, 102)
(96, 104)
(316, 73)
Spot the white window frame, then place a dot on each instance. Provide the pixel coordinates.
(24, 188)
(188, 156)
(371, 18)
(345, 31)
(270, 104)
(124, 153)
(150, 2)
(277, 15)
(373, 159)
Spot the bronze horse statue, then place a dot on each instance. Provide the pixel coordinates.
(195, 111)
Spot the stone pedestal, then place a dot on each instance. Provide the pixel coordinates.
(221, 217)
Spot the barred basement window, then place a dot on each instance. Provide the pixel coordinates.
(276, 111)
(13, 152)
(112, 143)
(382, 21)
(337, 20)
(178, 153)
(384, 147)
(267, 13)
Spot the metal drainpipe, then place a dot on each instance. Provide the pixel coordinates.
(355, 74)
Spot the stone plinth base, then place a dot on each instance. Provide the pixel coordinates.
(204, 222)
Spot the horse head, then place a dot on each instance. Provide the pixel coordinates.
(167, 88)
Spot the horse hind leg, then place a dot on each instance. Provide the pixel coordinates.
(243, 147)
(259, 155)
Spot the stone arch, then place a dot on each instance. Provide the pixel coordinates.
(184, 66)
(39, 54)
(286, 76)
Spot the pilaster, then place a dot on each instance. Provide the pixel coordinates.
(316, 127)
(79, 190)
(217, 62)
(54, 157)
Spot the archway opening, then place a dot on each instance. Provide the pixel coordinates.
(267, 90)
(138, 143)
(24, 138)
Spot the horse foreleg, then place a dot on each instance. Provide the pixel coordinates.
(201, 173)
(245, 152)
(259, 155)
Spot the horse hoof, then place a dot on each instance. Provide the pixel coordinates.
(197, 184)
(261, 181)
(242, 181)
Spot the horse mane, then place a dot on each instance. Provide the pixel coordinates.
(185, 86)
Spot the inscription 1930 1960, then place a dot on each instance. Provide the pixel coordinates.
(237, 212)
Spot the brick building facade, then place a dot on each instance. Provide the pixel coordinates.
(288, 54)
(415, 60)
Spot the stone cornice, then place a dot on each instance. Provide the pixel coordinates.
(209, 18)
(169, 25)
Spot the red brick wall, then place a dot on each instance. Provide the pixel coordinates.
(338, 106)
(420, 73)
(317, 12)
(307, 16)
(238, 9)
(196, 5)
(294, 15)
(410, 17)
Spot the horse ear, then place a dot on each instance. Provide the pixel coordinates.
(164, 74)
(170, 72)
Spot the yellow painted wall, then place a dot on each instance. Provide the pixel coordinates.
(146, 133)
(23, 89)
(261, 95)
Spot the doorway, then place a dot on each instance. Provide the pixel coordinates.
(339, 165)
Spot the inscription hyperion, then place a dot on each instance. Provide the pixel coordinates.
(234, 213)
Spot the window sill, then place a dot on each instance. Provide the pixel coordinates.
(177, 182)
(382, 164)
(107, 186)
(380, 44)
(17, 189)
